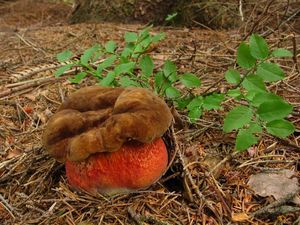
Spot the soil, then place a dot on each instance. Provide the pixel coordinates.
(33, 186)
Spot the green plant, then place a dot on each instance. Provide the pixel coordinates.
(171, 17)
(263, 110)
(257, 109)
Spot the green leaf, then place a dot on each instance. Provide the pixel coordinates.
(127, 82)
(124, 68)
(280, 128)
(172, 92)
(126, 53)
(77, 78)
(123, 60)
(254, 127)
(105, 64)
(244, 57)
(281, 52)
(110, 77)
(63, 56)
(110, 46)
(138, 50)
(260, 98)
(258, 47)
(195, 114)
(182, 102)
(171, 16)
(97, 55)
(213, 101)
(165, 85)
(195, 103)
(130, 37)
(88, 54)
(146, 65)
(170, 71)
(270, 72)
(190, 80)
(142, 47)
(158, 37)
(244, 140)
(237, 118)
(232, 76)
(145, 44)
(158, 81)
(274, 110)
(62, 69)
(234, 93)
(144, 33)
(254, 83)
(250, 95)
(128, 50)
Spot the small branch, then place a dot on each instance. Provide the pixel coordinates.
(30, 72)
(278, 207)
(241, 9)
(282, 23)
(187, 173)
(257, 22)
(27, 86)
(7, 206)
(295, 52)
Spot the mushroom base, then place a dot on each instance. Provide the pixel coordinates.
(133, 167)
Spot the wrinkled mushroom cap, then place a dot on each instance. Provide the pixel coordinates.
(101, 119)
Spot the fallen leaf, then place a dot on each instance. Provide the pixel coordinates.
(277, 184)
(13, 153)
(239, 217)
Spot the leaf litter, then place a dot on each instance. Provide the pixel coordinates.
(207, 182)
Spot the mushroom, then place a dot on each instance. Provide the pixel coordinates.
(110, 138)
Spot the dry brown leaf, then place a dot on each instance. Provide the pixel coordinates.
(239, 217)
(13, 153)
(278, 184)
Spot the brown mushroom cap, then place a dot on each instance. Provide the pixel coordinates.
(100, 119)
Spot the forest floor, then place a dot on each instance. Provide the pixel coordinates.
(33, 186)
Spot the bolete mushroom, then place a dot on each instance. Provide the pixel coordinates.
(110, 138)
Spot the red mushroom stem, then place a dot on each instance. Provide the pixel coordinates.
(133, 167)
